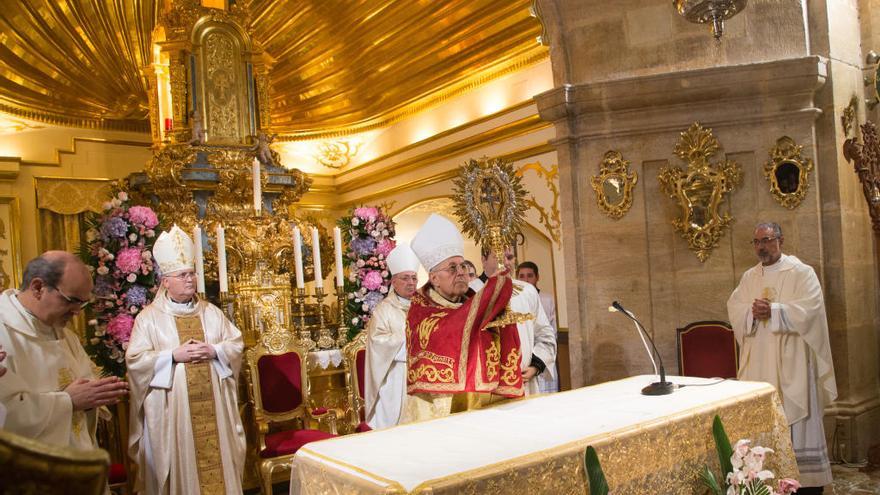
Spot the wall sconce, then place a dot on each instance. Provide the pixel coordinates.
(706, 11)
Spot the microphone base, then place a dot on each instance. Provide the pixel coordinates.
(659, 388)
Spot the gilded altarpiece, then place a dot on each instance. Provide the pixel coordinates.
(10, 248)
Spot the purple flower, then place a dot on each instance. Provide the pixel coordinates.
(363, 245)
(372, 299)
(136, 295)
(142, 215)
(103, 286)
(114, 227)
(372, 280)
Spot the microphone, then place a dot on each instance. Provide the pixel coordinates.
(657, 388)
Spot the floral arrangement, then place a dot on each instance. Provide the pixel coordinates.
(369, 235)
(118, 251)
(744, 466)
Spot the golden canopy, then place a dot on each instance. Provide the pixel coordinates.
(341, 65)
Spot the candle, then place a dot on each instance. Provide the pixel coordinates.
(168, 123)
(316, 258)
(221, 259)
(337, 246)
(298, 258)
(258, 192)
(200, 260)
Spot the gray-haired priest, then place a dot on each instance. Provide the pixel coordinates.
(385, 383)
(183, 360)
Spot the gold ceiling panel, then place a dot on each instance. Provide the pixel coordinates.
(341, 65)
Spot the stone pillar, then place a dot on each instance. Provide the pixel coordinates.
(630, 77)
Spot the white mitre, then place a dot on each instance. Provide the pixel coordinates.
(437, 241)
(173, 251)
(402, 259)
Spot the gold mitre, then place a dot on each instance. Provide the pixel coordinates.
(173, 251)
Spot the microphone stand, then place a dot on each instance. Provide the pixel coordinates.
(657, 388)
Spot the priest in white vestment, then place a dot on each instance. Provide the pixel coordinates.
(385, 367)
(778, 316)
(183, 361)
(48, 389)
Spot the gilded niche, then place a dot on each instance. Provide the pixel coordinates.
(701, 190)
(788, 173)
(614, 185)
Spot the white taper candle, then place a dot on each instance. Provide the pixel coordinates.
(221, 259)
(337, 246)
(200, 260)
(258, 191)
(298, 258)
(316, 258)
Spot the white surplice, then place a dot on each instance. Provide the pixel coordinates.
(161, 436)
(385, 366)
(791, 351)
(41, 361)
(548, 381)
(536, 336)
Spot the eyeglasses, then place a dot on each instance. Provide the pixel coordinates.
(454, 268)
(764, 241)
(183, 276)
(73, 301)
(408, 278)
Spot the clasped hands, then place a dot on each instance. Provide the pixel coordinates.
(194, 351)
(761, 309)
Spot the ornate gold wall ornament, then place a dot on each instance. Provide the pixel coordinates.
(337, 153)
(490, 203)
(788, 173)
(551, 220)
(614, 185)
(700, 191)
(848, 119)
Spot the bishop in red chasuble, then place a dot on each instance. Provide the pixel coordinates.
(458, 357)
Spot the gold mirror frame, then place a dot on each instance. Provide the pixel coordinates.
(788, 153)
(700, 191)
(614, 170)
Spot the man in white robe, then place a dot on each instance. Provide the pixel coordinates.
(527, 271)
(385, 367)
(48, 388)
(778, 316)
(183, 361)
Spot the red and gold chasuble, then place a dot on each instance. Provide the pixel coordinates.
(451, 350)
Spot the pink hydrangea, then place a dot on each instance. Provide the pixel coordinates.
(120, 327)
(129, 260)
(385, 246)
(142, 215)
(366, 213)
(372, 280)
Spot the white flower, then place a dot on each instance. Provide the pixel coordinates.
(383, 289)
(384, 273)
(374, 233)
(131, 277)
(116, 203)
(99, 331)
(150, 233)
(95, 341)
(133, 309)
(354, 321)
(384, 231)
(146, 255)
(103, 270)
(365, 307)
(360, 263)
(123, 196)
(355, 222)
(765, 475)
(132, 237)
(93, 323)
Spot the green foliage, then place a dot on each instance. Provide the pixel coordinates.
(725, 451)
(598, 484)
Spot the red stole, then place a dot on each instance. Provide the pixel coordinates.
(450, 350)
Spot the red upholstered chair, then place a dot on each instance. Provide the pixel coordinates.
(707, 349)
(355, 358)
(285, 418)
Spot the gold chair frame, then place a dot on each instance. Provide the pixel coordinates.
(349, 359)
(263, 419)
(30, 466)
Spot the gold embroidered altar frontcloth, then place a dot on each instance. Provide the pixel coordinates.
(647, 445)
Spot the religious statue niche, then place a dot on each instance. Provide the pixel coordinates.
(788, 173)
(614, 185)
(700, 191)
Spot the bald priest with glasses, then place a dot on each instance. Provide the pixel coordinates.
(183, 361)
(48, 389)
(778, 317)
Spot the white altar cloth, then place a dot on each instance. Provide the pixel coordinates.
(408, 458)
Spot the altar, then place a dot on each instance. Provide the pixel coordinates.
(646, 444)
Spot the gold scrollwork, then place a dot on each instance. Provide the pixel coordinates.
(552, 221)
(337, 153)
(700, 191)
(493, 357)
(511, 367)
(788, 173)
(432, 373)
(427, 326)
(614, 185)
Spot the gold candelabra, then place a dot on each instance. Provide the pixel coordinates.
(342, 328)
(305, 337)
(325, 340)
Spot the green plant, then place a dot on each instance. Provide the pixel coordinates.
(598, 484)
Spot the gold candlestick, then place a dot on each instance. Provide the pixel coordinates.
(305, 337)
(342, 328)
(325, 340)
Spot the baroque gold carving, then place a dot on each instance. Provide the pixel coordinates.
(848, 119)
(700, 191)
(614, 185)
(788, 173)
(551, 220)
(337, 153)
(865, 158)
(221, 86)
